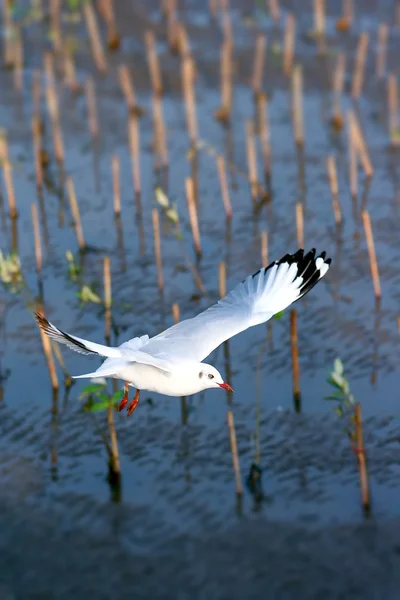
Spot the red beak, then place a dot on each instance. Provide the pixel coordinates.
(226, 386)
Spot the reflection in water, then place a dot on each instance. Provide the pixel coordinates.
(375, 341)
(54, 436)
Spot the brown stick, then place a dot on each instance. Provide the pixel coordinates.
(224, 186)
(223, 113)
(154, 66)
(319, 17)
(48, 355)
(36, 235)
(175, 313)
(338, 83)
(134, 147)
(8, 42)
(383, 34)
(372, 254)
(333, 182)
(157, 248)
(226, 21)
(107, 298)
(360, 144)
(289, 42)
(159, 131)
(116, 184)
(348, 11)
(37, 148)
(7, 173)
(393, 110)
(235, 456)
(113, 40)
(222, 279)
(92, 109)
(295, 359)
(264, 248)
(75, 213)
(52, 106)
(126, 84)
(258, 65)
(361, 459)
(189, 97)
(265, 135)
(55, 11)
(353, 171)
(359, 66)
(94, 36)
(274, 9)
(70, 72)
(300, 224)
(297, 104)
(192, 208)
(252, 159)
(18, 60)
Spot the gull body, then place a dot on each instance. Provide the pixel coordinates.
(171, 362)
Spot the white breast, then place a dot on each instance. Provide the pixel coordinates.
(146, 377)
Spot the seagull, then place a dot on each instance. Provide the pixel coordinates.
(171, 362)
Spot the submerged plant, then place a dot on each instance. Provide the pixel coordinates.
(98, 399)
(73, 268)
(87, 294)
(170, 210)
(10, 271)
(343, 396)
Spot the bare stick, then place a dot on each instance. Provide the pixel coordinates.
(258, 65)
(353, 171)
(55, 10)
(297, 104)
(223, 113)
(134, 147)
(393, 109)
(362, 464)
(358, 74)
(18, 60)
(274, 9)
(224, 186)
(113, 40)
(360, 144)
(338, 82)
(175, 313)
(263, 120)
(75, 213)
(157, 248)
(70, 72)
(235, 456)
(92, 109)
(288, 51)
(9, 29)
(192, 208)
(7, 173)
(226, 21)
(252, 159)
(107, 298)
(333, 182)
(222, 279)
(36, 235)
(48, 355)
(159, 131)
(371, 253)
(319, 17)
(300, 224)
(383, 34)
(52, 106)
(153, 63)
(264, 248)
(129, 92)
(295, 359)
(116, 184)
(94, 36)
(37, 147)
(189, 97)
(57, 353)
(348, 11)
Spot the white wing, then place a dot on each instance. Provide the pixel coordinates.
(129, 351)
(254, 301)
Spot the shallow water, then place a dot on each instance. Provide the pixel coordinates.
(178, 530)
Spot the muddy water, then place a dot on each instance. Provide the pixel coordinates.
(178, 531)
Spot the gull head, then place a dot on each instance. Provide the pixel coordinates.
(210, 377)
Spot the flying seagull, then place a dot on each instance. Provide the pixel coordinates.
(171, 362)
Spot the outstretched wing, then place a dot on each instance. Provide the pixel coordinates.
(129, 351)
(254, 301)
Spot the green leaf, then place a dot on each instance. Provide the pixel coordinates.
(339, 411)
(338, 366)
(279, 315)
(117, 396)
(337, 380)
(91, 389)
(88, 295)
(98, 406)
(161, 197)
(172, 215)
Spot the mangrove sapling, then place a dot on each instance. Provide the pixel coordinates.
(350, 412)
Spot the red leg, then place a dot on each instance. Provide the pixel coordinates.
(134, 403)
(124, 400)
